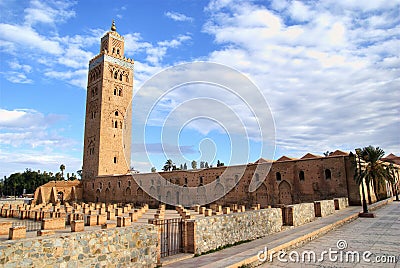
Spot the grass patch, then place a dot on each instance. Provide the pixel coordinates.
(222, 247)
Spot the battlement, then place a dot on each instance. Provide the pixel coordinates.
(105, 52)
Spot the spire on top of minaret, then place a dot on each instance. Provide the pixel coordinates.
(113, 27)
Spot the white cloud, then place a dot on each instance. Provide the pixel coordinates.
(330, 80)
(25, 119)
(18, 161)
(76, 77)
(48, 12)
(18, 78)
(27, 37)
(177, 16)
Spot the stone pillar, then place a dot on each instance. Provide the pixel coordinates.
(5, 227)
(111, 215)
(77, 226)
(101, 219)
(17, 232)
(189, 235)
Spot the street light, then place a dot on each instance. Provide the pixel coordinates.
(364, 201)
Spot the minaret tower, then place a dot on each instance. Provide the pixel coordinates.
(108, 121)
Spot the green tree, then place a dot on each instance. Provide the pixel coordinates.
(185, 166)
(194, 164)
(374, 171)
(206, 165)
(201, 164)
(62, 168)
(391, 178)
(153, 169)
(168, 165)
(79, 172)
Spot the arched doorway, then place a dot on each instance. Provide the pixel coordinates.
(262, 195)
(98, 192)
(285, 193)
(107, 195)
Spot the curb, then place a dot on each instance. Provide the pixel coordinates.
(254, 261)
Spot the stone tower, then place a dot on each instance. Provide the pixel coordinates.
(108, 121)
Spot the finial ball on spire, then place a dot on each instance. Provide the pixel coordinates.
(113, 27)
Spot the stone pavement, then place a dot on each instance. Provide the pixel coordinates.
(246, 253)
(380, 236)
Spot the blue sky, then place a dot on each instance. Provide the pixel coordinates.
(328, 69)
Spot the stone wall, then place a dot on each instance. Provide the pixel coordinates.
(217, 231)
(299, 214)
(324, 208)
(341, 203)
(126, 246)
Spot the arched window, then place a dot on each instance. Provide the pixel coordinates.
(113, 51)
(115, 159)
(118, 51)
(115, 91)
(120, 77)
(201, 181)
(119, 184)
(116, 124)
(301, 175)
(120, 92)
(186, 181)
(116, 75)
(278, 176)
(116, 113)
(129, 183)
(328, 174)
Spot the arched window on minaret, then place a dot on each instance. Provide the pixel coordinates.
(117, 51)
(116, 124)
(115, 91)
(120, 77)
(113, 51)
(120, 92)
(115, 75)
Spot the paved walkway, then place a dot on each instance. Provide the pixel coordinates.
(245, 253)
(380, 236)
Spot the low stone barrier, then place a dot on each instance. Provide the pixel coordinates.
(53, 224)
(298, 214)
(216, 231)
(324, 208)
(341, 203)
(133, 246)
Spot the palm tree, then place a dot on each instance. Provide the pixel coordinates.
(391, 178)
(62, 168)
(374, 171)
(168, 165)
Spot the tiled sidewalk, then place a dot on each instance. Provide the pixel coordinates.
(247, 253)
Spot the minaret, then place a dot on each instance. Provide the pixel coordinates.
(108, 122)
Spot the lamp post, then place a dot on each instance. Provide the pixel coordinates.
(364, 201)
